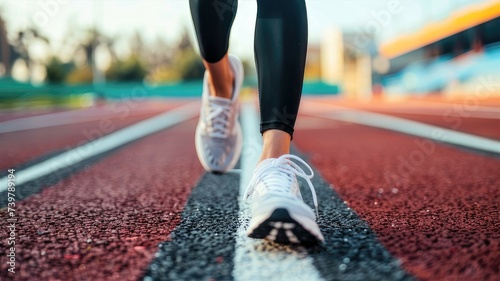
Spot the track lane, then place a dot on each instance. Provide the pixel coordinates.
(13, 114)
(455, 115)
(489, 128)
(105, 222)
(111, 201)
(483, 99)
(198, 252)
(431, 205)
(27, 145)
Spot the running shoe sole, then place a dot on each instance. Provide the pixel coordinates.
(282, 227)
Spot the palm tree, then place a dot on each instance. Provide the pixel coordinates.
(5, 56)
(22, 42)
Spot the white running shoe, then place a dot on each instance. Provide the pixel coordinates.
(278, 211)
(218, 134)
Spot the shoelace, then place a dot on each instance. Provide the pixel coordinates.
(288, 168)
(218, 118)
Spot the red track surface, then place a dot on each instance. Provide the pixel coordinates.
(451, 114)
(433, 206)
(489, 128)
(105, 223)
(438, 213)
(482, 99)
(19, 147)
(7, 115)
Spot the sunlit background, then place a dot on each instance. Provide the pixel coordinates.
(53, 49)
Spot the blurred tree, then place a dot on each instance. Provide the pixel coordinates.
(132, 69)
(188, 63)
(160, 57)
(160, 54)
(179, 62)
(22, 43)
(137, 45)
(91, 41)
(57, 71)
(5, 48)
(165, 62)
(93, 38)
(80, 75)
(163, 74)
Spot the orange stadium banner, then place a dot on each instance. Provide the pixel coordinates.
(460, 20)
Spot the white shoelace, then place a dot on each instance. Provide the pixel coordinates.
(279, 183)
(218, 119)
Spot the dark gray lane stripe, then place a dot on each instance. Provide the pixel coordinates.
(202, 245)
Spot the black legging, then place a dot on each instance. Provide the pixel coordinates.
(280, 51)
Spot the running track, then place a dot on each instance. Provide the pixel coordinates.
(393, 206)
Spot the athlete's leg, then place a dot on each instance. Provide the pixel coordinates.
(212, 21)
(278, 211)
(280, 54)
(218, 136)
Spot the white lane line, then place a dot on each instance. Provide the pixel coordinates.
(402, 125)
(436, 104)
(253, 259)
(50, 120)
(109, 111)
(106, 143)
(449, 112)
(452, 109)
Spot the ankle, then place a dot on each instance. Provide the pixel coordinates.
(275, 144)
(220, 78)
(222, 90)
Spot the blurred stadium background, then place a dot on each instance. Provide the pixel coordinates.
(65, 53)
